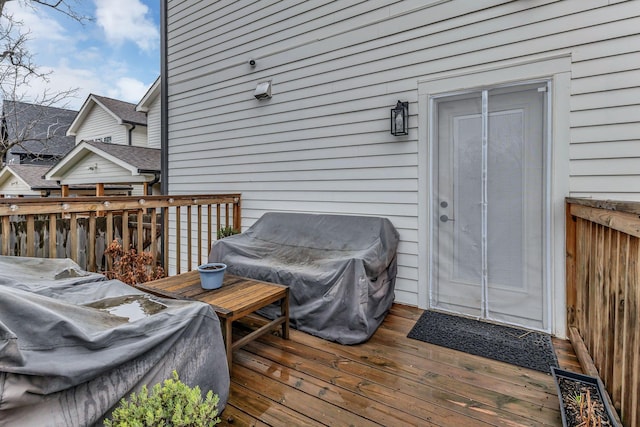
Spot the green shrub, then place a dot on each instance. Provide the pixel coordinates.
(171, 404)
(226, 232)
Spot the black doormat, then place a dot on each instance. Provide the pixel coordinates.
(521, 347)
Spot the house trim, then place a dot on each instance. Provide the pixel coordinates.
(164, 100)
(148, 97)
(557, 69)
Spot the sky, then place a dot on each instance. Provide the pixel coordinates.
(116, 55)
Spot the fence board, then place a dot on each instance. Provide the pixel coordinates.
(603, 293)
(53, 235)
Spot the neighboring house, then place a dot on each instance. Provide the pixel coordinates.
(112, 145)
(513, 105)
(105, 164)
(109, 120)
(36, 133)
(26, 181)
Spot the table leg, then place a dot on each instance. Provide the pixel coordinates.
(284, 309)
(227, 341)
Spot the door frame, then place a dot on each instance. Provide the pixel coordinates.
(553, 68)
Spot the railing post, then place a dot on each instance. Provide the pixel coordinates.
(570, 242)
(91, 260)
(237, 215)
(6, 235)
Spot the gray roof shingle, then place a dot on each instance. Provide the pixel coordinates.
(124, 110)
(43, 129)
(33, 176)
(142, 158)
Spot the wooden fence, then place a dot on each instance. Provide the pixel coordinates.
(603, 295)
(80, 228)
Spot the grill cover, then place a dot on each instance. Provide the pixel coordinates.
(340, 269)
(72, 343)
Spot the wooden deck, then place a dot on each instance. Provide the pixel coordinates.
(390, 380)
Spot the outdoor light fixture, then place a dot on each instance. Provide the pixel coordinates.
(263, 90)
(400, 119)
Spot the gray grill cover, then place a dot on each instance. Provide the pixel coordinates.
(340, 269)
(66, 363)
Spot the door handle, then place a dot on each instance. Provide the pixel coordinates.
(445, 218)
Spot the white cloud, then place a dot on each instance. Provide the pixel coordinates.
(127, 20)
(77, 56)
(39, 25)
(131, 90)
(64, 77)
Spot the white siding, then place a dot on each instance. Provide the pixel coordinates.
(16, 187)
(94, 169)
(98, 124)
(153, 123)
(322, 143)
(139, 136)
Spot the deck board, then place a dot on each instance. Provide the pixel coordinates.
(390, 380)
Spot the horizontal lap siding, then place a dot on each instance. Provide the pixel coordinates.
(95, 168)
(605, 106)
(322, 143)
(99, 124)
(15, 187)
(154, 126)
(139, 136)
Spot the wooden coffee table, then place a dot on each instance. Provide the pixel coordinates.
(237, 298)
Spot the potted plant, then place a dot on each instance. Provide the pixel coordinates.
(226, 232)
(171, 403)
(212, 274)
(583, 400)
(132, 267)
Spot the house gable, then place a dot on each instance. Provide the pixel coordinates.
(109, 120)
(92, 162)
(13, 185)
(99, 124)
(94, 167)
(25, 180)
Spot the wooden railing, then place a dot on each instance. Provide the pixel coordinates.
(80, 228)
(603, 295)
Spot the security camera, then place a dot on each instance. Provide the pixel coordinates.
(252, 62)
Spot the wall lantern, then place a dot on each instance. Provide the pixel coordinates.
(400, 119)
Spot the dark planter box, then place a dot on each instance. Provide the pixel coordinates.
(586, 380)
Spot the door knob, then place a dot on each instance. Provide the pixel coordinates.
(445, 218)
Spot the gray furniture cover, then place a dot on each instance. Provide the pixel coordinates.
(340, 269)
(72, 344)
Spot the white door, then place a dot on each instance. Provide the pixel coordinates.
(490, 208)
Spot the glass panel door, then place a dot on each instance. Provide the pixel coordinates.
(489, 206)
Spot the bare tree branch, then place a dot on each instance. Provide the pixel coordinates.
(66, 7)
(18, 72)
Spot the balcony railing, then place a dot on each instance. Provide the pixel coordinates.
(81, 228)
(603, 295)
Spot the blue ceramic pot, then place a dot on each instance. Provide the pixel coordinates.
(212, 274)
